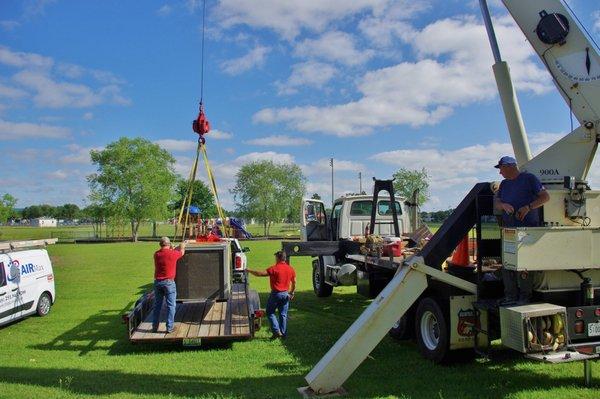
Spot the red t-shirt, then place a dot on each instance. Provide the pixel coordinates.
(280, 276)
(165, 263)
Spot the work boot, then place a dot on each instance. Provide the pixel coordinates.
(525, 287)
(511, 289)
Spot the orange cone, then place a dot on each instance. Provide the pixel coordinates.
(460, 257)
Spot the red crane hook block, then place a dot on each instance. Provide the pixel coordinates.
(201, 125)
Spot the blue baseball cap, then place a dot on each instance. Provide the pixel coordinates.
(506, 160)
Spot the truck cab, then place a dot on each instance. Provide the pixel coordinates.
(350, 217)
(330, 235)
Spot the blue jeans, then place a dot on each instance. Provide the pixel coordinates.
(164, 289)
(278, 301)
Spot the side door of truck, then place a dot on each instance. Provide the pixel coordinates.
(9, 306)
(314, 221)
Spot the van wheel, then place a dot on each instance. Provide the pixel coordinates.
(431, 330)
(44, 304)
(321, 288)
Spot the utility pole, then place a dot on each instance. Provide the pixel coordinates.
(332, 197)
(360, 182)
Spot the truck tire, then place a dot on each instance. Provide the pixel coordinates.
(44, 304)
(431, 331)
(404, 328)
(321, 288)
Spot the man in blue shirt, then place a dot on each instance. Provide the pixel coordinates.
(518, 198)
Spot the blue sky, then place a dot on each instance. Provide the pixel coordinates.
(375, 84)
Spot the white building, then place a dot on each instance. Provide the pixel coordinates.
(43, 222)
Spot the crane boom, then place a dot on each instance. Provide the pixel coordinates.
(574, 64)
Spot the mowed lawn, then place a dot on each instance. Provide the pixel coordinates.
(81, 349)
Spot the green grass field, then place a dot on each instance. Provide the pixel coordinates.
(81, 349)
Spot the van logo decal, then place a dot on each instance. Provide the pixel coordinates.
(16, 270)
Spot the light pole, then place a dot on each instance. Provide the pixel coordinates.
(360, 182)
(332, 197)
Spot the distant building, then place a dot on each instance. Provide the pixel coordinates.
(43, 222)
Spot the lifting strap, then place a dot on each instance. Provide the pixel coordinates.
(187, 201)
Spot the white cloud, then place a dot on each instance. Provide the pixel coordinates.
(279, 141)
(54, 94)
(164, 10)
(453, 71)
(289, 18)
(596, 21)
(21, 60)
(71, 71)
(307, 74)
(334, 46)
(57, 174)
(26, 130)
(78, 154)
(219, 135)
(36, 7)
(38, 74)
(383, 28)
(193, 5)
(339, 165)
(453, 172)
(88, 116)
(9, 25)
(177, 145)
(254, 58)
(12, 93)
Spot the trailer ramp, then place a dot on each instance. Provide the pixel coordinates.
(368, 330)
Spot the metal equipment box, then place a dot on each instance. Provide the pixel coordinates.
(204, 272)
(551, 248)
(517, 321)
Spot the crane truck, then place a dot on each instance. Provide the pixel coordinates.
(460, 311)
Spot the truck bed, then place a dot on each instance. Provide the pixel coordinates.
(197, 321)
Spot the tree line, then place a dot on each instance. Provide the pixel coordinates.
(135, 181)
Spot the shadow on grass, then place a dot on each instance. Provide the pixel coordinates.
(314, 326)
(111, 382)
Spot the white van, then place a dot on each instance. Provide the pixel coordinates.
(26, 280)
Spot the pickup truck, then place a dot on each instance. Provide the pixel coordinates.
(330, 238)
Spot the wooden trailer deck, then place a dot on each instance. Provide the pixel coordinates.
(197, 321)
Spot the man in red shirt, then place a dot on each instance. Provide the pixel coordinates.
(281, 276)
(165, 266)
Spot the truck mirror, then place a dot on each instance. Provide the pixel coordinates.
(245, 249)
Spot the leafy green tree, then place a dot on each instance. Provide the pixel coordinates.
(134, 181)
(7, 207)
(67, 211)
(202, 197)
(408, 180)
(268, 191)
(316, 196)
(97, 215)
(32, 212)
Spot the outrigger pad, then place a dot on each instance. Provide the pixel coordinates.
(307, 392)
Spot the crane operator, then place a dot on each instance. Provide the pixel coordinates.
(518, 198)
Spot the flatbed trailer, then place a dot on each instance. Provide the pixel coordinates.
(197, 321)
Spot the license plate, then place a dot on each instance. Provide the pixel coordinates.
(593, 329)
(195, 341)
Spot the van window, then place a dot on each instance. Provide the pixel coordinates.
(383, 207)
(2, 275)
(361, 208)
